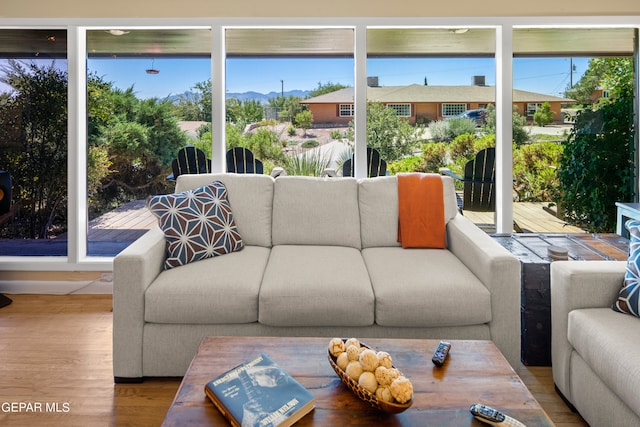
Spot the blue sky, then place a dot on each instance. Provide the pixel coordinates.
(543, 75)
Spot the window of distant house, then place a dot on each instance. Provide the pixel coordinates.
(346, 110)
(450, 110)
(606, 94)
(402, 110)
(532, 108)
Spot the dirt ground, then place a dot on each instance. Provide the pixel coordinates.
(295, 141)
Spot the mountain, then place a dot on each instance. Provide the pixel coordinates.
(263, 98)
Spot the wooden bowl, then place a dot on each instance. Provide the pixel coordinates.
(367, 396)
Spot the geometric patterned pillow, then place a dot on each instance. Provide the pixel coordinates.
(197, 224)
(629, 297)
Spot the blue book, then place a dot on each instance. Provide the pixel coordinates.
(259, 393)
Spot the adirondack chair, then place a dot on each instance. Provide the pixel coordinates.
(190, 160)
(241, 160)
(479, 182)
(375, 165)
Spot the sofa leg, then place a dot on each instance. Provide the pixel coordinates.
(565, 400)
(126, 380)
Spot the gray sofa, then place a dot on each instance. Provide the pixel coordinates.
(595, 351)
(321, 258)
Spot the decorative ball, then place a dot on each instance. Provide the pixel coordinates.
(369, 360)
(342, 361)
(386, 376)
(354, 370)
(385, 359)
(368, 381)
(384, 393)
(352, 341)
(353, 352)
(336, 346)
(401, 389)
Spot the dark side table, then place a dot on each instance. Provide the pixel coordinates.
(535, 302)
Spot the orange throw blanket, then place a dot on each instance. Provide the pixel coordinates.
(421, 211)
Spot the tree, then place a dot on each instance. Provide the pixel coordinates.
(195, 105)
(597, 167)
(287, 107)
(252, 111)
(519, 133)
(543, 116)
(33, 143)
(613, 74)
(325, 88)
(304, 120)
(391, 135)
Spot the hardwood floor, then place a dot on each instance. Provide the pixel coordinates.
(55, 356)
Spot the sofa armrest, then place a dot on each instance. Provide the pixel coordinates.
(575, 285)
(134, 269)
(499, 271)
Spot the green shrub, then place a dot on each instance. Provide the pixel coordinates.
(463, 146)
(309, 163)
(460, 126)
(310, 144)
(336, 134)
(535, 169)
(439, 131)
(597, 166)
(543, 116)
(450, 129)
(434, 156)
(519, 132)
(407, 164)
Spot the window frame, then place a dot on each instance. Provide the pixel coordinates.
(532, 108)
(504, 26)
(399, 106)
(349, 107)
(454, 106)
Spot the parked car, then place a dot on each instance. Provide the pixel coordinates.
(479, 116)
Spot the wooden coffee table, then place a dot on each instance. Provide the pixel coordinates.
(475, 371)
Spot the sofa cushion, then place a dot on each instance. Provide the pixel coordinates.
(316, 211)
(316, 286)
(608, 342)
(629, 297)
(197, 224)
(251, 197)
(218, 290)
(378, 203)
(425, 288)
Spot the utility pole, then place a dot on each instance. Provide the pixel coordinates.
(282, 88)
(572, 68)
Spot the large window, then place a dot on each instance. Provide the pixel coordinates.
(287, 96)
(33, 142)
(144, 105)
(292, 90)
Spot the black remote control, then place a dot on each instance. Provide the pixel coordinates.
(441, 353)
(493, 417)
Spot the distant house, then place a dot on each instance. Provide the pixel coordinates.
(423, 104)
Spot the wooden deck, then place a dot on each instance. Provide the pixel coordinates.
(531, 217)
(112, 232)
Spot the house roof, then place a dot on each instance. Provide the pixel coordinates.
(420, 93)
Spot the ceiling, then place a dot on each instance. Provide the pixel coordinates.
(318, 42)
